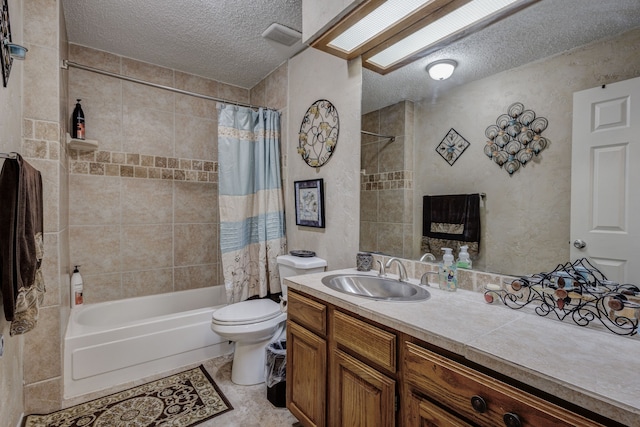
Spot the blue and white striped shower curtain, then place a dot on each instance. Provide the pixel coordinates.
(252, 222)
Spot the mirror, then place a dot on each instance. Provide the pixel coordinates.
(525, 216)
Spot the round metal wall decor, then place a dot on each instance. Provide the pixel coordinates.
(318, 134)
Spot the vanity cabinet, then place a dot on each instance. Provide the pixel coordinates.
(440, 387)
(343, 370)
(306, 360)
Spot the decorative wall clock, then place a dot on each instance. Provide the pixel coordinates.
(515, 138)
(452, 146)
(318, 134)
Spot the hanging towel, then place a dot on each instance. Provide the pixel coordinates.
(451, 221)
(21, 243)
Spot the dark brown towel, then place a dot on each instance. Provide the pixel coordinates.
(21, 243)
(451, 221)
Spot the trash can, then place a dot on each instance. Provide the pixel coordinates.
(275, 373)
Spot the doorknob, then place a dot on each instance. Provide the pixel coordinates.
(580, 244)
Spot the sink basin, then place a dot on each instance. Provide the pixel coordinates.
(378, 288)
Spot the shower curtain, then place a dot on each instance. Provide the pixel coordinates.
(252, 223)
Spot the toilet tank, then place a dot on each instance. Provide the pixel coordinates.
(289, 265)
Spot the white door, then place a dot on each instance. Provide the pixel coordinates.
(605, 179)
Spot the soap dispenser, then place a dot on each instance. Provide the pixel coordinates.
(448, 272)
(463, 258)
(76, 288)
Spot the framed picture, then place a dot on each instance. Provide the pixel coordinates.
(5, 36)
(309, 203)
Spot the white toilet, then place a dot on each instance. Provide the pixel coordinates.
(253, 324)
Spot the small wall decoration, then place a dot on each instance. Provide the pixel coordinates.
(452, 146)
(515, 138)
(318, 134)
(5, 39)
(309, 197)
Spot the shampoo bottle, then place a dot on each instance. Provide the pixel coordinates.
(76, 288)
(463, 258)
(448, 272)
(77, 122)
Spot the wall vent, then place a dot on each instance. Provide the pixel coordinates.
(281, 34)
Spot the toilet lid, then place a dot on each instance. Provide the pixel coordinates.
(251, 311)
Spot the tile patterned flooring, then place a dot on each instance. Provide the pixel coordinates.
(250, 405)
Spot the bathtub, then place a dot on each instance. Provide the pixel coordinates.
(116, 342)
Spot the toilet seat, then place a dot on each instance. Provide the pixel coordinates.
(246, 312)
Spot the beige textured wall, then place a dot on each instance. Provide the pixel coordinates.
(386, 192)
(316, 75)
(11, 363)
(525, 216)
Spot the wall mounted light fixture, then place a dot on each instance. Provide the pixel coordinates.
(389, 34)
(441, 70)
(16, 51)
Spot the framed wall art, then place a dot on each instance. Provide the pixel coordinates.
(309, 197)
(452, 146)
(5, 39)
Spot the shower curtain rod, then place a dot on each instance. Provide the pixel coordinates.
(66, 64)
(390, 137)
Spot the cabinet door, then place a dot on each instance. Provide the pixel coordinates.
(360, 395)
(424, 413)
(306, 375)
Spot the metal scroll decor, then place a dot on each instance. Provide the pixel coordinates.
(578, 291)
(515, 138)
(452, 146)
(318, 134)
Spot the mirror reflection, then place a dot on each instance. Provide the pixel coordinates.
(525, 216)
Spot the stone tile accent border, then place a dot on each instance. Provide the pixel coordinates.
(134, 165)
(386, 181)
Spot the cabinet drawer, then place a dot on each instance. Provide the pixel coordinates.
(370, 342)
(307, 312)
(456, 386)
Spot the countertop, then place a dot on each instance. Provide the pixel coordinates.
(591, 368)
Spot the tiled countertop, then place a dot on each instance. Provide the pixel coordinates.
(594, 369)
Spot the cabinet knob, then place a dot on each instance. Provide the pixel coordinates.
(478, 403)
(511, 420)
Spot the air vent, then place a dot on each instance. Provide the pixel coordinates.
(281, 34)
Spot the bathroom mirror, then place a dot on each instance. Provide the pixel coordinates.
(525, 216)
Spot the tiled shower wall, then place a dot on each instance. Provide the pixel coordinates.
(386, 190)
(144, 207)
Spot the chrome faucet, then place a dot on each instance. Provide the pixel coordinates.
(381, 272)
(401, 269)
(424, 280)
(428, 256)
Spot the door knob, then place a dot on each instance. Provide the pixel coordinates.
(580, 244)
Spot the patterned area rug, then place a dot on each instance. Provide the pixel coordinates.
(183, 399)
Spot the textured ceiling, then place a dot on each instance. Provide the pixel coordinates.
(221, 39)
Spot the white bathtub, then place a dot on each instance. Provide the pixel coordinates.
(116, 342)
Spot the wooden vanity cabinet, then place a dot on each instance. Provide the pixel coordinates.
(462, 395)
(306, 360)
(362, 386)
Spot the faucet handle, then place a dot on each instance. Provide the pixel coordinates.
(381, 270)
(424, 280)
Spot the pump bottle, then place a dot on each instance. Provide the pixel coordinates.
(76, 288)
(463, 258)
(77, 122)
(448, 272)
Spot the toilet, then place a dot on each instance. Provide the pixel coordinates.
(253, 324)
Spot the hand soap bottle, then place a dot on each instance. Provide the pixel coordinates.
(463, 258)
(448, 272)
(76, 288)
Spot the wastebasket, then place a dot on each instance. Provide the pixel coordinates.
(275, 373)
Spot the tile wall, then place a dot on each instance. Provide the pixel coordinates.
(144, 207)
(386, 193)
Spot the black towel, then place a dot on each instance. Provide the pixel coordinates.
(21, 243)
(451, 221)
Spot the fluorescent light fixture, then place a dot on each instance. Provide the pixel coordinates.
(454, 22)
(441, 70)
(375, 23)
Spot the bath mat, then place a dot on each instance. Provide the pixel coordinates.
(184, 399)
